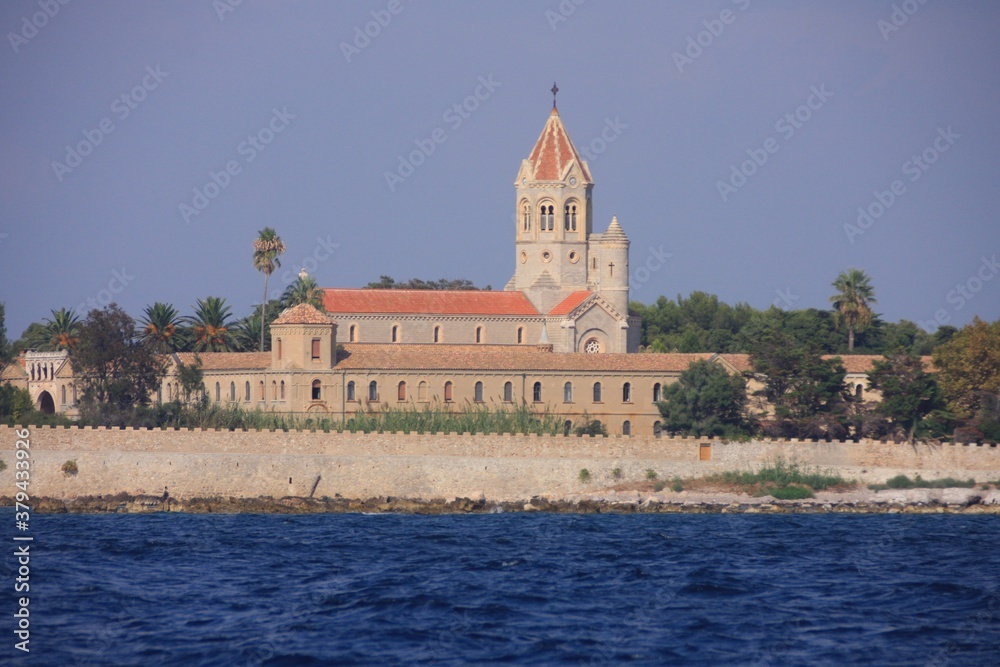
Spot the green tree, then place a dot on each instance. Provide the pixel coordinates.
(303, 290)
(968, 366)
(909, 392)
(60, 332)
(246, 332)
(210, 326)
(14, 404)
(388, 282)
(853, 301)
(806, 391)
(266, 251)
(115, 367)
(192, 380)
(163, 328)
(706, 400)
(5, 350)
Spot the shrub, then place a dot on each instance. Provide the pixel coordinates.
(676, 485)
(69, 468)
(651, 474)
(904, 482)
(593, 427)
(616, 474)
(3, 466)
(780, 474)
(584, 475)
(659, 486)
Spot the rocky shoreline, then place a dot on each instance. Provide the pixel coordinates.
(912, 501)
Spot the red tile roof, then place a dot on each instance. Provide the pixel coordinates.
(566, 306)
(302, 314)
(510, 358)
(427, 302)
(553, 151)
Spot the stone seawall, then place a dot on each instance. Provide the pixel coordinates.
(195, 463)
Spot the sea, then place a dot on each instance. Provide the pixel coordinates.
(507, 589)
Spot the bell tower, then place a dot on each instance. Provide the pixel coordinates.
(553, 217)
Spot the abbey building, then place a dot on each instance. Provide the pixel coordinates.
(559, 337)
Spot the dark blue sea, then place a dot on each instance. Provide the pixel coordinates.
(518, 589)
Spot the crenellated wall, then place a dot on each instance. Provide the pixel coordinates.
(498, 467)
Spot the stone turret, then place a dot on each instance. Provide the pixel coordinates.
(614, 271)
(302, 338)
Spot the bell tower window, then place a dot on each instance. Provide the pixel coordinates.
(548, 214)
(526, 217)
(569, 219)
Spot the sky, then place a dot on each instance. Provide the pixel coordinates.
(749, 149)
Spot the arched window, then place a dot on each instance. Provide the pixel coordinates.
(597, 392)
(74, 393)
(352, 334)
(568, 392)
(536, 392)
(62, 394)
(448, 387)
(279, 348)
(437, 334)
(478, 395)
(401, 391)
(626, 427)
(657, 393)
(274, 390)
(282, 392)
(520, 335)
(569, 220)
(479, 334)
(373, 391)
(422, 391)
(351, 391)
(395, 333)
(657, 429)
(159, 394)
(508, 392)
(567, 427)
(525, 217)
(218, 392)
(547, 218)
(260, 391)
(859, 392)
(247, 399)
(627, 392)
(317, 390)
(232, 392)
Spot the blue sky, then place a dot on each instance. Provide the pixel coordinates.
(735, 141)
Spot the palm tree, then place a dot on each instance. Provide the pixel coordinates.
(161, 326)
(266, 250)
(246, 333)
(62, 332)
(210, 326)
(303, 290)
(853, 301)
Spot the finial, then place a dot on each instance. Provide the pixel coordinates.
(555, 89)
(303, 274)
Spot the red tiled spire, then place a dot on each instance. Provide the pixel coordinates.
(553, 151)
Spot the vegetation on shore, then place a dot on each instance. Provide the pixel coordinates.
(904, 482)
(783, 480)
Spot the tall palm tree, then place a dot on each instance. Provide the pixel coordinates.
(246, 333)
(853, 301)
(62, 332)
(266, 250)
(161, 326)
(210, 326)
(303, 290)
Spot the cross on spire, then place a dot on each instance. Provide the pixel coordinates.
(555, 89)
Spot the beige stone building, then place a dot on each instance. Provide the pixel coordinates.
(559, 337)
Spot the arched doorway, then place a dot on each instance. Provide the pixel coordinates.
(45, 403)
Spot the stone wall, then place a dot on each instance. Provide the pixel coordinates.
(497, 467)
